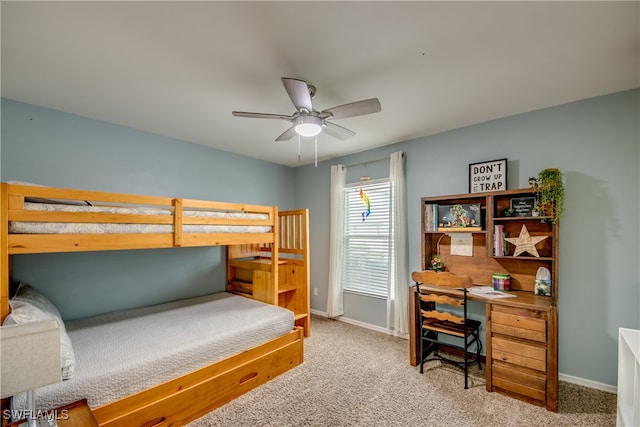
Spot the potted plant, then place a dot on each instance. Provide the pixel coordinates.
(436, 264)
(537, 211)
(550, 193)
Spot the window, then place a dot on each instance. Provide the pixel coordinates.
(368, 246)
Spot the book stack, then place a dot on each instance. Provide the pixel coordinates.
(430, 217)
(500, 245)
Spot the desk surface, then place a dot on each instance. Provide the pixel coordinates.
(522, 299)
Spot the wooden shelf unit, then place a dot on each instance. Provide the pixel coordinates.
(628, 402)
(522, 332)
(483, 264)
(249, 268)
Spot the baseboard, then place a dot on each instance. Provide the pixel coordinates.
(319, 313)
(361, 324)
(562, 377)
(588, 383)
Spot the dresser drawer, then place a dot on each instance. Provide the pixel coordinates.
(525, 324)
(525, 382)
(518, 352)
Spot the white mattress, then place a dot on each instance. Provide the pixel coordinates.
(120, 353)
(27, 227)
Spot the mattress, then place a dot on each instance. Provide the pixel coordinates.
(121, 353)
(28, 227)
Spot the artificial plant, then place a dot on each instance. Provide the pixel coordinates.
(550, 193)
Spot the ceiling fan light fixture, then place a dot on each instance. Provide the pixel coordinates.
(307, 125)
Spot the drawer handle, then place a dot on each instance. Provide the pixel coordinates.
(248, 377)
(153, 423)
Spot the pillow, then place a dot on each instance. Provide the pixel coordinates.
(29, 305)
(51, 201)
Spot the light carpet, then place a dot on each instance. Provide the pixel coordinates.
(352, 376)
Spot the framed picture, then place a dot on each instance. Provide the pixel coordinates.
(488, 176)
(522, 206)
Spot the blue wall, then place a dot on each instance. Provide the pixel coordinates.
(596, 143)
(49, 147)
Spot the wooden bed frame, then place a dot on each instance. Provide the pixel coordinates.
(188, 397)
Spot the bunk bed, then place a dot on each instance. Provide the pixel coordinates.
(36, 219)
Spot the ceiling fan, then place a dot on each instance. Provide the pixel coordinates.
(306, 121)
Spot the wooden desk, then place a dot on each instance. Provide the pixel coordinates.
(521, 345)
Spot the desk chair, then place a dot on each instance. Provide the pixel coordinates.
(439, 297)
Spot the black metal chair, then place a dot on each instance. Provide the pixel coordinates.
(440, 296)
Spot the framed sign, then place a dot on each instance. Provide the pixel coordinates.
(488, 176)
(522, 206)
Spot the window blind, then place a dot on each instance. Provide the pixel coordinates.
(368, 243)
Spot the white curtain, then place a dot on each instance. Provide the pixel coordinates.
(336, 241)
(397, 303)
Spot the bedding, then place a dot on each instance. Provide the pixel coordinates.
(27, 227)
(29, 305)
(121, 353)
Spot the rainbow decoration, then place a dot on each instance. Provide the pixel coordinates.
(367, 203)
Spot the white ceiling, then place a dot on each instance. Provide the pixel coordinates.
(179, 68)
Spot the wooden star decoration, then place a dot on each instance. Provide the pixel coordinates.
(525, 242)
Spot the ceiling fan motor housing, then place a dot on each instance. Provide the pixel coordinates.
(308, 125)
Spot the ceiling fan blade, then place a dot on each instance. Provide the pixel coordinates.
(298, 92)
(337, 131)
(353, 109)
(287, 134)
(261, 115)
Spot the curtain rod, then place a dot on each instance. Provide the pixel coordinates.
(385, 159)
